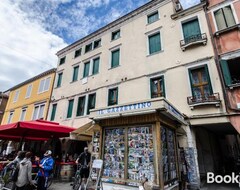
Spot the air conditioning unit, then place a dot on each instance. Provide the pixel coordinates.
(178, 7)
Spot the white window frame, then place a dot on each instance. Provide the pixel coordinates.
(30, 91)
(38, 105)
(23, 118)
(115, 32)
(221, 6)
(44, 84)
(10, 116)
(150, 33)
(16, 96)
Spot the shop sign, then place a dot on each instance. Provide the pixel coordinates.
(125, 108)
(174, 112)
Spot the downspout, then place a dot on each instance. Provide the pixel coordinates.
(216, 57)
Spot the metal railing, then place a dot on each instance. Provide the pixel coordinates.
(194, 39)
(203, 98)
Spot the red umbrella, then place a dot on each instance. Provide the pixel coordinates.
(38, 129)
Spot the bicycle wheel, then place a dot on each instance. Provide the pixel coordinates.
(49, 183)
(77, 181)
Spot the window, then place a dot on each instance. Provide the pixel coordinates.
(78, 53)
(224, 17)
(10, 117)
(231, 71)
(116, 35)
(54, 109)
(16, 96)
(23, 114)
(95, 66)
(29, 90)
(91, 102)
(96, 44)
(62, 60)
(115, 58)
(86, 69)
(38, 111)
(152, 17)
(113, 96)
(200, 83)
(157, 87)
(75, 73)
(59, 80)
(81, 106)
(70, 108)
(44, 85)
(154, 43)
(88, 47)
(191, 31)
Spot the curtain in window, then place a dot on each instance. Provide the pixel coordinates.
(191, 30)
(70, 108)
(81, 105)
(154, 43)
(86, 69)
(95, 66)
(219, 17)
(229, 16)
(115, 58)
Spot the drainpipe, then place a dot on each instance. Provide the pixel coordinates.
(216, 57)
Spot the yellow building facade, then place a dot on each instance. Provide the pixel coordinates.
(30, 100)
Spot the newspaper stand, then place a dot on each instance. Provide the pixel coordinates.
(94, 176)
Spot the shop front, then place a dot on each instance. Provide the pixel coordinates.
(138, 142)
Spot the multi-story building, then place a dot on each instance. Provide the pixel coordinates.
(150, 81)
(30, 100)
(3, 104)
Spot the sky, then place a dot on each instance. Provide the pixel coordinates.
(32, 31)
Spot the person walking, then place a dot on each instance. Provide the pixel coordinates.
(84, 161)
(25, 173)
(45, 169)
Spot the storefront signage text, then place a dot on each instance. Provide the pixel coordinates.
(175, 112)
(129, 107)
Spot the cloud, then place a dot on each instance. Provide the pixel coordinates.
(26, 48)
(189, 3)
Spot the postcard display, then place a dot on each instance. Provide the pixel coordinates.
(140, 153)
(168, 154)
(95, 150)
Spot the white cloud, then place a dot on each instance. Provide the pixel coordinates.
(26, 48)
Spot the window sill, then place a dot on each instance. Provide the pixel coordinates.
(219, 32)
(155, 53)
(114, 67)
(216, 103)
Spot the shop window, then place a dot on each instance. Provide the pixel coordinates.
(153, 17)
(70, 108)
(200, 84)
(62, 60)
(168, 155)
(231, 71)
(81, 106)
(113, 96)
(116, 35)
(78, 53)
(138, 142)
(157, 87)
(91, 102)
(224, 17)
(54, 109)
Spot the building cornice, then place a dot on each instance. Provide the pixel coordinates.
(113, 24)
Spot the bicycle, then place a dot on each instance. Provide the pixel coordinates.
(77, 178)
(49, 182)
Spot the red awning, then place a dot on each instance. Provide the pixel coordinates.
(37, 130)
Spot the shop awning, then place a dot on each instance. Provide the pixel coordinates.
(85, 132)
(34, 130)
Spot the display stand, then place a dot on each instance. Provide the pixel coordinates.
(94, 176)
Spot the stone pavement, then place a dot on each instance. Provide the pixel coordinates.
(60, 185)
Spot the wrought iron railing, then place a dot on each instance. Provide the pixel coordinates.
(203, 98)
(199, 38)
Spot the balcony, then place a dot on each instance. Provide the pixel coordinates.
(207, 99)
(193, 40)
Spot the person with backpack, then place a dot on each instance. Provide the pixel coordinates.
(25, 173)
(45, 169)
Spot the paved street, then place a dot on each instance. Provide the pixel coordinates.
(58, 185)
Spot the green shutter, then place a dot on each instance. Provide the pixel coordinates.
(154, 43)
(80, 106)
(226, 73)
(70, 108)
(191, 80)
(91, 102)
(191, 29)
(54, 108)
(229, 16)
(86, 69)
(59, 82)
(115, 58)
(75, 73)
(151, 87)
(95, 66)
(163, 86)
(209, 81)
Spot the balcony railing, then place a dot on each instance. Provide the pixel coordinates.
(193, 40)
(204, 99)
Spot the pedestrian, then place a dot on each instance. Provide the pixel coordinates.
(24, 178)
(84, 161)
(45, 169)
